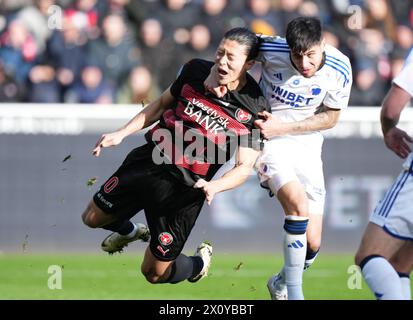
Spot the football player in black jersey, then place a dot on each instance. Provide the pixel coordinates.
(170, 176)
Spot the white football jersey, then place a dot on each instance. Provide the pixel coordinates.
(294, 97)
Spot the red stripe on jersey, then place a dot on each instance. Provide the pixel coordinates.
(208, 127)
(200, 102)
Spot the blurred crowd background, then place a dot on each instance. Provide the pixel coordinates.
(128, 51)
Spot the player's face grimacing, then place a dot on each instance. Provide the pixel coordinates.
(309, 61)
(231, 61)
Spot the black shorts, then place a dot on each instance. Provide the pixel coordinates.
(171, 208)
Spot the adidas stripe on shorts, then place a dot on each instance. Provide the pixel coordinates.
(395, 212)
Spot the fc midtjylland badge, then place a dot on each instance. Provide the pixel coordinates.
(242, 116)
(165, 238)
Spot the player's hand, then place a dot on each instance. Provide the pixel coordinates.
(396, 140)
(269, 125)
(208, 188)
(107, 140)
(211, 84)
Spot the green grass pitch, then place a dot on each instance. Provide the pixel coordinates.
(232, 276)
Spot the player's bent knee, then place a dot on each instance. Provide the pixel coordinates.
(358, 258)
(90, 216)
(151, 275)
(361, 258)
(313, 246)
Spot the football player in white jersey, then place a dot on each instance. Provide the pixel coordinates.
(307, 83)
(386, 250)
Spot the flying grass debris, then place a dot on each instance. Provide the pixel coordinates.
(91, 182)
(67, 158)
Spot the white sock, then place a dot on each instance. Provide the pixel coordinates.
(133, 232)
(382, 279)
(295, 248)
(405, 283)
(307, 264)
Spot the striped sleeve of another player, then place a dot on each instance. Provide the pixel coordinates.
(340, 63)
(273, 44)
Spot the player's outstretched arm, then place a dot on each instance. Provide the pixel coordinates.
(393, 105)
(270, 126)
(246, 158)
(143, 119)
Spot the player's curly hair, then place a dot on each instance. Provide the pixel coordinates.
(244, 37)
(302, 33)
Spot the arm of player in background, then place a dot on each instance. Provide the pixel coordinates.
(270, 126)
(246, 158)
(149, 115)
(393, 105)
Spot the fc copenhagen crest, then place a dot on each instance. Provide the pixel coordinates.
(242, 116)
(165, 238)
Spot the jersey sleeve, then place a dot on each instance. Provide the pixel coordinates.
(405, 78)
(182, 78)
(269, 45)
(338, 97)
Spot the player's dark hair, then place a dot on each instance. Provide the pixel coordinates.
(303, 33)
(244, 37)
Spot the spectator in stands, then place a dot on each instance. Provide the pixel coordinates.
(42, 85)
(214, 14)
(84, 15)
(66, 51)
(260, 15)
(116, 53)
(152, 50)
(309, 9)
(35, 18)
(158, 52)
(92, 87)
(370, 88)
(139, 89)
(199, 44)
(10, 90)
(402, 11)
(287, 10)
(17, 51)
(177, 17)
(380, 17)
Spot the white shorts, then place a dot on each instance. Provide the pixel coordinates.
(294, 158)
(395, 212)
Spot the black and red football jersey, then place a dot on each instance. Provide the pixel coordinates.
(200, 132)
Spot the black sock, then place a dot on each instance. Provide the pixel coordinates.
(403, 275)
(185, 267)
(122, 227)
(310, 253)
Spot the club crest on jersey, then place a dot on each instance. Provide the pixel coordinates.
(165, 238)
(242, 116)
(315, 90)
